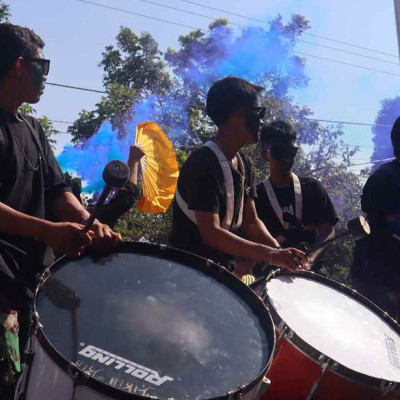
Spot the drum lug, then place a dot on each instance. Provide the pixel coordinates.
(45, 274)
(36, 325)
(284, 331)
(326, 366)
(265, 383)
(236, 394)
(387, 386)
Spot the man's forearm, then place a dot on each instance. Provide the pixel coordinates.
(67, 208)
(229, 243)
(16, 223)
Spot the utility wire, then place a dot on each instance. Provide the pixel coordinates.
(305, 33)
(313, 119)
(140, 15)
(203, 30)
(310, 119)
(244, 26)
(349, 64)
(348, 123)
(75, 87)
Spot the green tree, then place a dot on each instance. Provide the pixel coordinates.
(4, 12)
(47, 125)
(133, 69)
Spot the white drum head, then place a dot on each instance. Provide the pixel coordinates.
(337, 325)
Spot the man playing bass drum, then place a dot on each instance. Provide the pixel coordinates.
(213, 211)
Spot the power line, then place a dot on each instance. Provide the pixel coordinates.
(140, 15)
(372, 162)
(244, 26)
(75, 87)
(203, 30)
(349, 52)
(313, 119)
(187, 12)
(348, 123)
(349, 64)
(305, 33)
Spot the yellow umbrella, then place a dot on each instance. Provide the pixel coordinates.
(159, 168)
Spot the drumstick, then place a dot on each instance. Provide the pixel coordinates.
(115, 175)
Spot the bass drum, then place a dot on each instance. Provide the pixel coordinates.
(332, 343)
(146, 321)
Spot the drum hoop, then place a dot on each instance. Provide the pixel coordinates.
(253, 301)
(319, 357)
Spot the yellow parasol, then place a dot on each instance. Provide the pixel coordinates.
(159, 168)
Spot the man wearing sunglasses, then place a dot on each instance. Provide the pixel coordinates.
(213, 211)
(30, 182)
(296, 210)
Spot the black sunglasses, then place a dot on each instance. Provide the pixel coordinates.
(44, 63)
(280, 151)
(261, 111)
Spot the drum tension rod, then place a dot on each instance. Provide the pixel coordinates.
(326, 366)
(387, 386)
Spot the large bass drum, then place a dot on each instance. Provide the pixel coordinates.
(332, 343)
(146, 321)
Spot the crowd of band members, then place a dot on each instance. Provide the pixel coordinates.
(219, 212)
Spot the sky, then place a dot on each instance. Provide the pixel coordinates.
(76, 34)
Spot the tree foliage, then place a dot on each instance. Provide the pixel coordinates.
(133, 69)
(4, 12)
(47, 125)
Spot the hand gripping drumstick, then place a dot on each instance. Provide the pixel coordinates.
(357, 227)
(115, 175)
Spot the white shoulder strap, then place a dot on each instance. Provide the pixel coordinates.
(184, 207)
(229, 188)
(240, 217)
(228, 181)
(275, 203)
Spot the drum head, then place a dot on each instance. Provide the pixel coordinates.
(156, 322)
(337, 325)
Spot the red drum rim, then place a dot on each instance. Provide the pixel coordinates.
(209, 267)
(311, 352)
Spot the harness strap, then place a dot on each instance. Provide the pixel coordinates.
(275, 203)
(229, 189)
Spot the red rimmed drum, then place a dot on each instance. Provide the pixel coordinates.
(146, 320)
(332, 343)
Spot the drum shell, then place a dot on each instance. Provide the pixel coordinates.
(51, 373)
(293, 374)
(296, 366)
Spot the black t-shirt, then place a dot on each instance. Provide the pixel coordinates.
(377, 257)
(201, 185)
(30, 179)
(317, 207)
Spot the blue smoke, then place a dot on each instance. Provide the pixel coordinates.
(89, 160)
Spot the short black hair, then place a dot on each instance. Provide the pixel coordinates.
(280, 131)
(395, 136)
(16, 41)
(229, 94)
